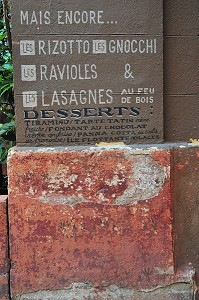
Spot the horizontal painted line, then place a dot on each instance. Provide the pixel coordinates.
(113, 94)
(178, 36)
(107, 34)
(85, 34)
(181, 95)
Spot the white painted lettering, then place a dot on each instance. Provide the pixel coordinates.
(24, 17)
(75, 98)
(68, 72)
(80, 46)
(61, 71)
(141, 46)
(34, 18)
(41, 47)
(150, 46)
(63, 96)
(55, 47)
(43, 99)
(53, 73)
(43, 71)
(79, 17)
(132, 46)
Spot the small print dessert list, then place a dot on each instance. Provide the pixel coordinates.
(86, 74)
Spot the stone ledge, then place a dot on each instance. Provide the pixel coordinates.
(80, 291)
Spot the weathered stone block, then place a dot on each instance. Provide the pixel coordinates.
(93, 215)
(186, 206)
(3, 236)
(4, 262)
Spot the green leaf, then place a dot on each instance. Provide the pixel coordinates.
(7, 67)
(2, 36)
(3, 154)
(5, 88)
(7, 127)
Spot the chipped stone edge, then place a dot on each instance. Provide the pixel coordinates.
(115, 146)
(133, 149)
(184, 276)
(128, 153)
(80, 288)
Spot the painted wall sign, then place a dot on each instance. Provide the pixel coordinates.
(88, 72)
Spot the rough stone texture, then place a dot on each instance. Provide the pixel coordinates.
(186, 206)
(3, 236)
(4, 263)
(98, 216)
(4, 289)
(87, 292)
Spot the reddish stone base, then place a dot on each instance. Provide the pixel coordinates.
(94, 223)
(4, 268)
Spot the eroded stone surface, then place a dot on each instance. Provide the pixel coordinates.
(3, 236)
(116, 231)
(4, 289)
(4, 262)
(90, 176)
(80, 291)
(186, 206)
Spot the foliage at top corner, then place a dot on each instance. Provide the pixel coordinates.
(7, 118)
(6, 67)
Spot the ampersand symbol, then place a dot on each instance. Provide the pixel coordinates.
(128, 73)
